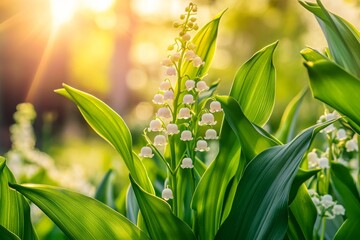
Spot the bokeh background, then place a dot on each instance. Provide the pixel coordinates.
(113, 49)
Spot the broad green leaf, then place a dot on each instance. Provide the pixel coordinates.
(208, 201)
(302, 216)
(260, 207)
(254, 86)
(243, 128)
(350, 229)
(205, 41)
(286, 131)
(345, 190)
(335, 87)
(78, 216)
(14, 210)
(311, 55)
(343, 39)
(7, 235)
(110, 126)
(159, 219)
(105, 191)
(301, 176)
(132, 207)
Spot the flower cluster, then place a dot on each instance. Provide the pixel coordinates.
(180, 113)
(325, 205)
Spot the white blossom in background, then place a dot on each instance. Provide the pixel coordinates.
(172, 129)
(328, 117)
(341, 134)
(313, 160)
(352, 145)
(324, 162)
(146, 152)
(190, 55)
(187, 163)
(186, 37)
(186, 135)
(338, 210)
(167, 194)
(175, 57)
(326, 206)
(167, 62)
(201, 146)
(215, 106)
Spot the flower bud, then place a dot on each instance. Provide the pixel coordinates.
(186, 37)
(167, 194)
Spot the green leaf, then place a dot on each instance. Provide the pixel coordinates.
(110, 126)
(7, 235)
(350, 229)
(78, 216)
(159, 219)
(105, 191)
(15, 210)
(335, 87)
(205, 41)
(343, 39)
(286, 131)
(260, 206)
(302, 216)
(243, 128)
(301, 176)
(345, 190)
(208, 200)
(312, 55)
(254, 86)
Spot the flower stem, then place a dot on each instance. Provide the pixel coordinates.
(323, 227)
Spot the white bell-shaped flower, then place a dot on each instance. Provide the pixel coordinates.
(186, 135)
(327, 201)
(197, 61)
(324, 162)
(155, 126)
(167, 194)
(215, 106)
(186, 37)
(341, 134)
(207, 119)
(146, 152)
(313, 159)
(171, 71)
(160, 140)
(338, 210)
(190, 55)
(201, 86)
(188, 99)
(187, 163)
(351, 146)
(175, 57)
(164, 112)
(165, 85)
(172, 129)
(158, 99)
(167, 62)
(201, 146)
(184, 113)
(210, 134)
(169, 95)
(190, 84)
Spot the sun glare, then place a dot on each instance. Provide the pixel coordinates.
(99, 5)
(62, 11)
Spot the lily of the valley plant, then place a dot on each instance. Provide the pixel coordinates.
(219, 174)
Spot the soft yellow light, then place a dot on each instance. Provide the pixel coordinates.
(62, 11)
(99, 5)
(147, 7)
